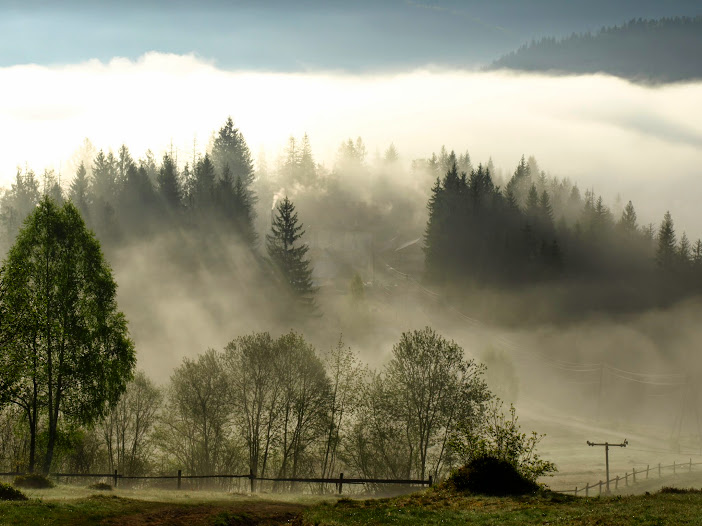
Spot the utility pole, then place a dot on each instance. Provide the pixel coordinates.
(607, 445)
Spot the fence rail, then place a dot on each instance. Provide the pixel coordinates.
(338, 482)
(682, 467)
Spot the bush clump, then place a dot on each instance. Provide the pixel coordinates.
(7, 492)
(489, 475)
(32, 481)
(100, 486)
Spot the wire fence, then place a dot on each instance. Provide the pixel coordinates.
(629, 479)
(253, 483)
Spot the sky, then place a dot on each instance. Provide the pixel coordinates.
(281, 35)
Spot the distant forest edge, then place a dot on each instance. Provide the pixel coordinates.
(663, 50)
(512, 248)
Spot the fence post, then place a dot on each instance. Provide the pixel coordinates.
(587, 489)
(616, 482)
(659, 470)
(431, 481)
(600, 487)
(179, 475)
(626, 479)
(673, 467)
(341, 482)
(251, 479)
(114, 479)
(690, 465)
(633, 474)
(576, 491)
(647, 468)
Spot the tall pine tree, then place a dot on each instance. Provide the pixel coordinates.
(287, 254)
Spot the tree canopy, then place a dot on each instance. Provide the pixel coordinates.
(71, 347)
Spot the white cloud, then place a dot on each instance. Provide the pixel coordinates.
(598, 130)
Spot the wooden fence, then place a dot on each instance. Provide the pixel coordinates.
(116, 477)
(631, 478)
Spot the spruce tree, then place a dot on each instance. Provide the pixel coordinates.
(545, 212)
(697, 255)
(307, 169)
(124, 163)
(684, 251)
(230, 148)
(168, 184)
(104, 181)
(434, 233)
(244, 213)
(287, 254)
(204, 184)
(666, 250)
(78, 191)
(627, 223)
(532, 204)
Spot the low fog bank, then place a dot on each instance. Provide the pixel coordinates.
(626, 370)
(607, 134)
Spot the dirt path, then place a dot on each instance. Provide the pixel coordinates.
(259, 513)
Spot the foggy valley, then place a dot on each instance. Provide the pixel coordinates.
(287, 273)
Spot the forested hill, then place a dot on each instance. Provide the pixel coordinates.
(664, 50)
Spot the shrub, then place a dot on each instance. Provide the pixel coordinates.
(100, 486)
(32, 481)
(492, 476)
(7, 492)
(498, 435)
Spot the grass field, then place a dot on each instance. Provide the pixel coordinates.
(67, 505)
(447, 508)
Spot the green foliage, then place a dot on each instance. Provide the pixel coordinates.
(499, 436)
(195, 429)
(33, 481)
(126, 429)
(71, 344)
(410, 409)
(279, 394)
(7, 492)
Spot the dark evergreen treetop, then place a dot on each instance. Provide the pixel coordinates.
(79, 190)
(168, 184)
(288, 255)
(665, 253)
(230, 149)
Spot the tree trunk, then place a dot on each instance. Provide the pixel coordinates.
(32, 416)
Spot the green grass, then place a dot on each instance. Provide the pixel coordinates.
(70, 505)
(90, 510)
(440, 506)
(67, 505)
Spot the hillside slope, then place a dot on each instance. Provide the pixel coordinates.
(664, 50)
